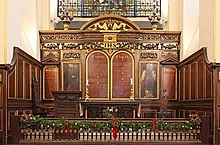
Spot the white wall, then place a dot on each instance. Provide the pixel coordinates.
(24, 20)
(22, 27)
(195, 19)
(217, 31)
(3, 32)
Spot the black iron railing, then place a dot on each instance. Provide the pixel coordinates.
(126, 8)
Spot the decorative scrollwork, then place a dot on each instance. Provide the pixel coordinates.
(71, 46)
(71, 55)
(169, 46)
(110, 25)
(50, 46)
(149, 46)
(149, 55)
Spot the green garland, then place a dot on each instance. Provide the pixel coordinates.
(38, 123)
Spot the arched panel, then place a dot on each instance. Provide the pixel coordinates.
(122, 76)
(97, 75)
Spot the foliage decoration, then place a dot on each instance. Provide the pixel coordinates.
(37, 123)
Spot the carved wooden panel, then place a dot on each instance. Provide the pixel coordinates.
(50, 81)
(121, 75)
(169, 81)
(97, 80)
(71, 76)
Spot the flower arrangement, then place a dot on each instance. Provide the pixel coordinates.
(38, 123)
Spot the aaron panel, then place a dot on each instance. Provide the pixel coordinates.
(121, 75)
(149, 80)
(169, 81)
(50, 81)
(97, 75)
(71, 76)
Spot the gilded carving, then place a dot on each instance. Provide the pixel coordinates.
(169, 46)
(54, 53)
(160, 37)
(71, 55)
(149, 46)
(149, 55)
(50, 46)
(71, 46)
(169, 54)
(110, 25)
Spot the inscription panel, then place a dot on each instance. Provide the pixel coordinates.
(169, 81)
(121, 75)
(50, 81)
(97, 80)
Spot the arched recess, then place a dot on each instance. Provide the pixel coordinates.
(122, 66)
(110, 22)
(97, 75)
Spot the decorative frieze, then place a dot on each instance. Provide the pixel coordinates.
(71, 55)
(149, 55)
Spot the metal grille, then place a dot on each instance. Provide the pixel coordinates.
(126, 8)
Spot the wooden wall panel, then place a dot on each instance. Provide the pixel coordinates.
(20, 76)
(181, 82)
(169, 81)
(11, 83)
(193, 81)
(1, 119)
(187, 83)
(19, 84)
(201, 79)
(199, 73)
(208, 84)
(27, 81)
(51, 81)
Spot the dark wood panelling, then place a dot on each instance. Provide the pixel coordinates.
(27, 81)
(187, 83)
(208, 84)
(19, 86)
(201, 79)
(193, 81)
(11, 83)
(169, 81)
(181, 82)
(50, 81)
(20, 78)
(198, 92)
